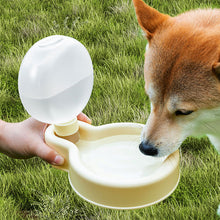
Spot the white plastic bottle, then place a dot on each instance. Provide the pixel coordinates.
(55, 79)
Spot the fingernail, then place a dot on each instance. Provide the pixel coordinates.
(58, 160)
(89, 121)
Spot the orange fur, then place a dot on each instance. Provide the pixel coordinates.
(181, 71)
(153, 15)
(184, 52)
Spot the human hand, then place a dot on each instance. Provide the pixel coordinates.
(26, 139)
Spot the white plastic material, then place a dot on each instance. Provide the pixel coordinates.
(55, 79)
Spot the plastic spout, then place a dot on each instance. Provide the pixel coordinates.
(68, 131)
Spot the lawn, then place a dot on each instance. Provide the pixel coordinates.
(32, 189)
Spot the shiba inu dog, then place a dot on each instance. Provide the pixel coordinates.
(182, 77)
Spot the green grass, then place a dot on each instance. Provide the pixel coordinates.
(32, 189)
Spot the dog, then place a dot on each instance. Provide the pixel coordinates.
(182, 77)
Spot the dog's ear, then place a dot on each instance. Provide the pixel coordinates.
(216, 69)
(148, 18)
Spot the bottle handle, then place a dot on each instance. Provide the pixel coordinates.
(61, 138)
(60, 145)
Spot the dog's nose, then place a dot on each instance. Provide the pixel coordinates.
(148, 149)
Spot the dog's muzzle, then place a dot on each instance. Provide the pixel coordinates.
(148, 149)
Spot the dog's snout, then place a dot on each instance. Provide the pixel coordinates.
(148, 149)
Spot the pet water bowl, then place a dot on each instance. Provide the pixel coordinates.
(106, 167)
(104, 163)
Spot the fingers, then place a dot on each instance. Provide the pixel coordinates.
(51, 156)
(48, 154)
(85, 118)
(42, 150)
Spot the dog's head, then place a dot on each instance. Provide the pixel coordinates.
(182, 76)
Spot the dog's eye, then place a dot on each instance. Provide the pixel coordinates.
(183, 112)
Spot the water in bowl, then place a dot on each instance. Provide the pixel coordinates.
(117, 158)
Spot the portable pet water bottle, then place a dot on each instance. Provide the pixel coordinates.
(104, 163)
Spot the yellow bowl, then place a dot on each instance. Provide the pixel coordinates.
(106, 168)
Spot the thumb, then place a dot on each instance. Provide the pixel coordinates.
(48, 154)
